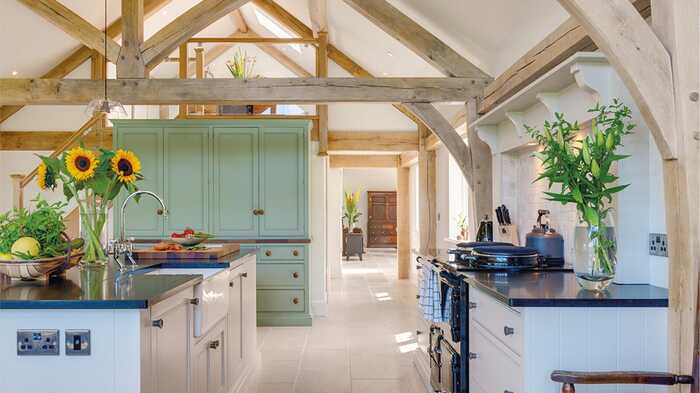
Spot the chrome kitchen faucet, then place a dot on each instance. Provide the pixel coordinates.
(123, 248)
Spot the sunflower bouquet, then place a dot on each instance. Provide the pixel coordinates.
(94, 179)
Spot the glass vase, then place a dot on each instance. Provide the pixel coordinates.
(92, 226)
(595, 254)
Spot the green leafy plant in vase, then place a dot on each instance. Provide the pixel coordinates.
(93, 179)
(352, 211)
(583, 167)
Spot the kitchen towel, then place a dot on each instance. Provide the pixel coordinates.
(430, 296)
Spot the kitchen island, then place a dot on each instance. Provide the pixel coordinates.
(162, 326)
(512, 329)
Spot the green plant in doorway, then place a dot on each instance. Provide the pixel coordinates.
(583, 167)
(462, 226)
(352, 211)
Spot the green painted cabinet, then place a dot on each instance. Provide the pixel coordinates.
(147, 143)
(214, 175)
(283, 182)
(186, 178)
(235, 182)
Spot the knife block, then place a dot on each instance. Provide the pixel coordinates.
(507, 233)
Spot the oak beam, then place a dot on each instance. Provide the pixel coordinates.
(403, 229)
(427, 196)
(131, 64)
(399, 141)
(227, 90)
(50, 140)
(408, 159)
(364, 161)
(185, 26)
(481, 184)
(454, 143)
(77, 27)
(335, 54)
(639, 57)
(80, 55)
(418, 39)
(570, 37)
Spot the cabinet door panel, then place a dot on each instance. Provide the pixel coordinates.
(283, 187)
(187, 178)
(170, 351)
(235, 182)
(141, 217)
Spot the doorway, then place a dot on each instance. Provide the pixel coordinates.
(381, 220)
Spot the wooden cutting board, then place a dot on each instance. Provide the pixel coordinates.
(212, 252)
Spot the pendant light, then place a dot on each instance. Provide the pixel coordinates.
(104, 105)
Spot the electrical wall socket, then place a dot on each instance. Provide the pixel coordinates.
(658, 244)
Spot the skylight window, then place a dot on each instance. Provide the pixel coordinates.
(275, 28)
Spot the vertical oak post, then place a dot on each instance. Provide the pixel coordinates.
(98, 71)
(427, 200)
(182, 74)
(403, 222)
(199, 72)
(130, 63)
(481, 187)
(322, 110)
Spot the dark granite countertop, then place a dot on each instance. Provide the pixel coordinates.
(554, 289)
(109, 290)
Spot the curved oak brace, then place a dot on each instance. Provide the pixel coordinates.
(639, 58)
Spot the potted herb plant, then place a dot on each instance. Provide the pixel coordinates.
(240, 67)
(583, 167)
(93, 179)
(352, 211)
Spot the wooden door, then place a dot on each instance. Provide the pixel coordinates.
(283, 182)
(186, 178)
(141, 217)
(235, 182)
(381, 219)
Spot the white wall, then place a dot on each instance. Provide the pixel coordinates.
(371, 179)
(318, 279)
(442, 170)
(334, 181)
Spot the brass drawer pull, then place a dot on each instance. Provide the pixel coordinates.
(508, 331)
(194, 301)
(295, 253)
(295, 300)
(295, 275)
(244, 274)
(214, 344)
(268, 253)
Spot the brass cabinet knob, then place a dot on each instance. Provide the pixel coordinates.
(295, 275)
(157, 323)
(230, 284)
(268, 253)
(256, 212)
(261, 212)
(295, 253)
(295, 300)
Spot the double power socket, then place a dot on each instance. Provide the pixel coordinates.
(46, 342)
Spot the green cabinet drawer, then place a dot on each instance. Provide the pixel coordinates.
(282, 253)
(281, 275)
(281, 300)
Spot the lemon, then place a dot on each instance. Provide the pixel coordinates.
(4, 256)
(26, 245)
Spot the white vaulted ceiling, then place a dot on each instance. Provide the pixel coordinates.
(491, 34)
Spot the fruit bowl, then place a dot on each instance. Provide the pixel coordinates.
(189, 241)
(38, 268)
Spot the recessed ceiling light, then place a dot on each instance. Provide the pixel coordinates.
(14, 73)
(165, 12)
(388, 53)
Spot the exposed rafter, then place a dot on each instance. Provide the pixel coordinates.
(335, 54)
(398, 141)
(559, 45)
(639, 58)
(251, 91)
(165, 41)
(77, 27)
(418, 39)
(80, 55)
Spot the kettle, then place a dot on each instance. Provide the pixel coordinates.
(548, 242)
(485, 231)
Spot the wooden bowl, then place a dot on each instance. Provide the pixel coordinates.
(38, 268)
(188, 241)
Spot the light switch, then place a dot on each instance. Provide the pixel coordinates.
(78, 342)
(37, 343)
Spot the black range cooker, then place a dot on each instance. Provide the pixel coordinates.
(449, 341)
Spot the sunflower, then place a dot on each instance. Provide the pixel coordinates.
(81, 163)
(45, 178)
(126, 165)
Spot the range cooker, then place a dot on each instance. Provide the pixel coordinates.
(449, 341)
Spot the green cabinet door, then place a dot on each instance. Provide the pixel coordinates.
(186, 178)
(141, 217)
(235, 182)
(283, 186)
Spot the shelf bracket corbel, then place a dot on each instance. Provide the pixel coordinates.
(518, 121)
